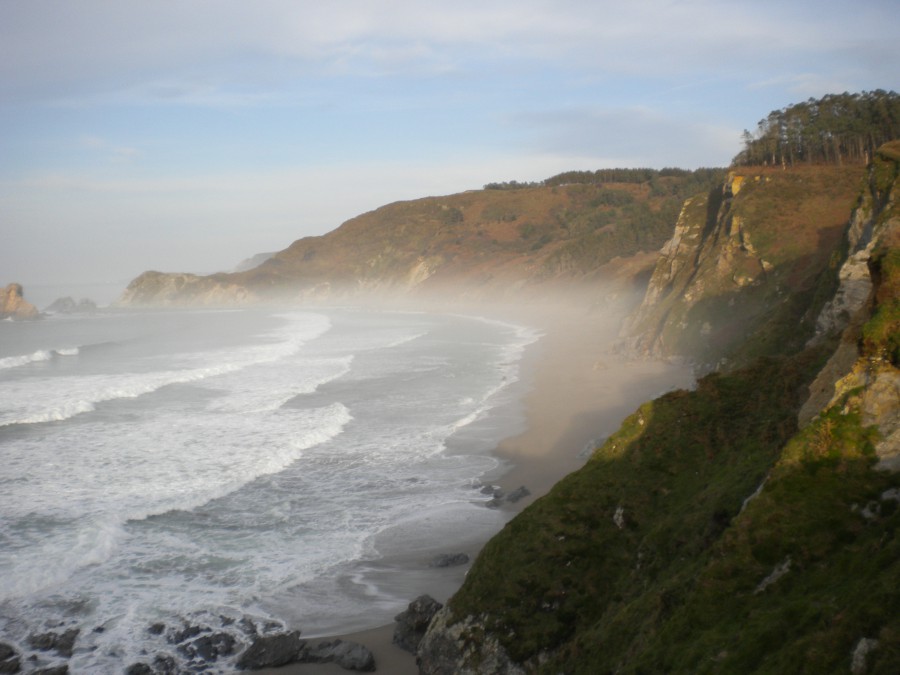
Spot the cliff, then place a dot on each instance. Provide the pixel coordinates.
(739, 274)
(14, 305)
(481, 243)
(720, 530)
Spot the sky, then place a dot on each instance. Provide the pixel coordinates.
(186, 136)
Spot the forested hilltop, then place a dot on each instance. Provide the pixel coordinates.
(834, 129)
(750, 525)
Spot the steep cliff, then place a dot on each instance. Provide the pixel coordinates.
(742, 271)
(868, 355)
(14, 305)
(469, 245)
(714, 532)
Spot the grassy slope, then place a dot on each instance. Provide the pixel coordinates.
(677, 584)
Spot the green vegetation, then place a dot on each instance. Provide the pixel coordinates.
(649, 559)
(710, 534)
(834, 129)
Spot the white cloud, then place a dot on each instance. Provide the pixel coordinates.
(57, 49)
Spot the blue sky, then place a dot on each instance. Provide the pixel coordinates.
(186, 136)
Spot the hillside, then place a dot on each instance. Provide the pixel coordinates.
(475, 244)
(720, 530)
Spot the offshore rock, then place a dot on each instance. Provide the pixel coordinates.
(62, 643)
(413, 622)
(13, 304)
(209, 647)
(10, 662)
(68, 305)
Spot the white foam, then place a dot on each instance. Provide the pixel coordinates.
(50, 399)
(157, 466)
(215, 498)
(18, 361)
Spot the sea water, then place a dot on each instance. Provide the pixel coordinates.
(216, 468)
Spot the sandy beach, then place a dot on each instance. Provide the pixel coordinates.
(579, 394)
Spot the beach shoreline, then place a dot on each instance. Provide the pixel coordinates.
(579, 392)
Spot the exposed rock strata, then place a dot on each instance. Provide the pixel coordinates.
(876, 219)
(722, 286)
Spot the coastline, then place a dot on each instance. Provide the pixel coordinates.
(580, 392)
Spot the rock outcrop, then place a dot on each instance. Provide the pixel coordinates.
(14, 305)
(729, 284)
(874, 226)
(462, 648)
(69, 305)
(413, 622)
(158, 289)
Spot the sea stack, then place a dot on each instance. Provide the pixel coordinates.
(13, 304)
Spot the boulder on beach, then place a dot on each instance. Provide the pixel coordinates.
(348, 655)
(271, 651)
(413, 622)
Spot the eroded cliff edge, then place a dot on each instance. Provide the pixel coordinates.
(717, 531)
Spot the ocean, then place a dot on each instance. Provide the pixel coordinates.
(228, 468)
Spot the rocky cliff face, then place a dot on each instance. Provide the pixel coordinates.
(742, 267)
(13, 304)
(862, 362)
(718, 531)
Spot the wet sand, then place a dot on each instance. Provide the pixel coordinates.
(580, 393)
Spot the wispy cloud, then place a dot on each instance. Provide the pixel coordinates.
(293, 115)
